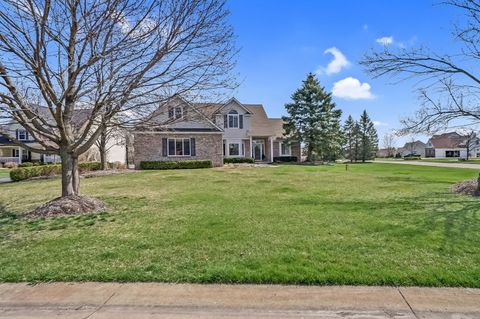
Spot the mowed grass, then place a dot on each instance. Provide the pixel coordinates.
(375, 224)
(4, 173)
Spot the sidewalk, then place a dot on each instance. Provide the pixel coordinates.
(155, 300)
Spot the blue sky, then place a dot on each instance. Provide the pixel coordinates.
(281, 41)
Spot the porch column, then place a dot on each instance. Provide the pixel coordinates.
(20, 151)
(271, 149)
(251, 147)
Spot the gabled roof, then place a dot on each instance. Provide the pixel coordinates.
(448, 140)
(414, 144)
(234, 100)
(261, 124)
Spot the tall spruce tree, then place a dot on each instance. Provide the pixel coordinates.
(368, 137)
(349, 129)
(313, 120)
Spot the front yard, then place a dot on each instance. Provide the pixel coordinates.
(373, 224)
(4, 173)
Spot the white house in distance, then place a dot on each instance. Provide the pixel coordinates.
(451, 145)
(13, 153)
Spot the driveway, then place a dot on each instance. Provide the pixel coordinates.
(420, 163)
(5, 180)
(156, 300)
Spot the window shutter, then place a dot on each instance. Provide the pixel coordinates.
(170, 112)
(225, 121)
(164, 147)
(16, 133)
(192, 145)
(27, 135)
(241, 121)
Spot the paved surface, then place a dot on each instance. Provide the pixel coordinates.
(5, 180)
(185, 301)
(420, 163)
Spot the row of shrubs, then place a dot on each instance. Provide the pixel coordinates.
(235, 160)
(26, 172)
(176, 164)
(285, 159)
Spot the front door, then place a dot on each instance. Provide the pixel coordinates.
(258, 151)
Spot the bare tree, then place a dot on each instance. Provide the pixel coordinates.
(471, 141)
(450, 85)
(388, 142)
(108, 58)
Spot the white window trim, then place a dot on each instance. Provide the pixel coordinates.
(174, 113)
(239, 149)
(183, 146)
(287, 146)
(235, 116)
(25, 134)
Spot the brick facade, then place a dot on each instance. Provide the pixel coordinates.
(148, 147)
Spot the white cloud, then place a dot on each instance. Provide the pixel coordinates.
(379, 123)
(352, 89)
(385, 40)
(337, 64)
(365, 27)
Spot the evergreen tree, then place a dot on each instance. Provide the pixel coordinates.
(349, 129)
(313, 120)
(368, 138)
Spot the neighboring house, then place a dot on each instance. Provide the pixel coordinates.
(413, 148)
(11, 152)
(386, 152)
(452, 144)
(181, 130)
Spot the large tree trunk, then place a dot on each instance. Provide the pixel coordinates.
(102, 148)
(70, 174)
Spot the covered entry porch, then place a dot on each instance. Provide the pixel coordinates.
(262, 148)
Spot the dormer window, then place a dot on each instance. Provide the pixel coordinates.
(233, 120)
(22, 135)
(175, 112)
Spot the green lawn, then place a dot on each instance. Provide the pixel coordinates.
(4, 173)
(373, 224)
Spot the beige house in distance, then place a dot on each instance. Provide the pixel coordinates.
(181, 130)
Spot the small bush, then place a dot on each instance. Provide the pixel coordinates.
(285, 159)
(235, 160)
(23, 173)
(10, 165)
(176, 164)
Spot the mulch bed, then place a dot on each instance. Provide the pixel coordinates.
(469, 187)
(67, 206)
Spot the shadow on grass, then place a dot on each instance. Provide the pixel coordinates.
(457, 222)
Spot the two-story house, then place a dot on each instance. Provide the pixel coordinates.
(12, 152)
(181, 130)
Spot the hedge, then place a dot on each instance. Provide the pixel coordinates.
(176, 164)
(235, 160)
(23, 173)
(285, 159)
(412, 158)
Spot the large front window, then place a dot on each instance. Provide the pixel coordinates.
(233, 119)
(452, 153)
(179, 147)
(285, 149)
(234, 149)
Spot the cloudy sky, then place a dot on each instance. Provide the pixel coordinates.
(281, 41)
